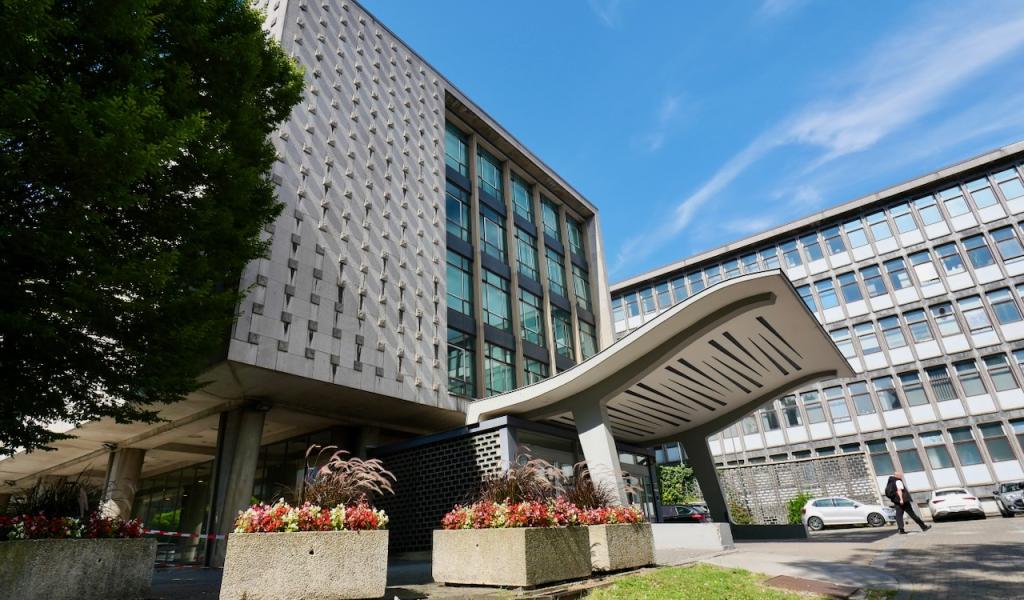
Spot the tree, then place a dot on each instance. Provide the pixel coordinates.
(134, 160)
(677, 484)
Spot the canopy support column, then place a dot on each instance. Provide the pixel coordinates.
(599, 448)
(698, 457)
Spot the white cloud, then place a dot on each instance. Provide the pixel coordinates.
(666, 115)
(775, 8)
(608, 11)
(904, 78)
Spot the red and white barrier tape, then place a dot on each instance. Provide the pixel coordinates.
(194, 536)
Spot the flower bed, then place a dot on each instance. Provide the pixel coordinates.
(282, 518)
(39, 527)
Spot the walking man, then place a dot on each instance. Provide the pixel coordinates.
(896, 491)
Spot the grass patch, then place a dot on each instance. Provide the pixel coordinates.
(699, 582)
(880, 595)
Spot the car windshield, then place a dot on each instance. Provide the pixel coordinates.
(951, 493)
(1013, 487)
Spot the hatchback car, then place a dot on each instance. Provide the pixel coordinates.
(687, 513)
(949, 502)
(1010, 498)
(819, 513)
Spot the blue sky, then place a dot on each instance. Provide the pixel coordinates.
(691, 125)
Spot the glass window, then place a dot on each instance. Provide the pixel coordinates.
(713, 274)
(913, 391)
(679, 289)
(892, 332)
(455, 154)
(945, 319)
(791, 412)
(942, 386)
(663, 294)
(837, 404)
(499, 369)
(1009, 184)
(885, 390)
(575, 236)
(924, 267)
(903, 218)
(534, 370)
(696, 281)
(873, 281)
(556, 273)
(965, 446)
(492, 233)
(978, 252)
(855, 233)
(581, 285)
(865, 333)
(825, 451)
(489, 174)
(879, 226)
(981, 193)
(906, 450)
(850, 288)
(769, 419)
(918, 325)
(974, 313)
(562, 321)
(460, 283)
(647, 300)
(815, 413)
(1004, 306)
(750, 425)
(750, 264)
(1007, 244)
(970, 379)
(812, 249)
(461, 378)
(833, 240)
(770, 258)
(898, 276)
(826, 293)
(731, 268)
(861, 398)
(522, 199)
(790, 254)
(457, 212)
(632, 305)
(496, 301)
(999, 372)
(549, 216)
(995, 440)
(588, 340)
(928, 210)
(843, 341)
(954, 202)
(950, 259)
(880, 458)
(935, 449)
(531, 317)
(618, 313)
(526, 253)
(1018, 431)
(847, 448)
(808, 297)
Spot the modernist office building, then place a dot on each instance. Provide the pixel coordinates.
(921, 286)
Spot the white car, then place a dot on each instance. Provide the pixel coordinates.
(954, 501)
(819, 513)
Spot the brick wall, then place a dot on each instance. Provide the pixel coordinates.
(431, 478)
(765, 488)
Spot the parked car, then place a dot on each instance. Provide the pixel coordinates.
(1010, 498)
(948, 502)
(819, 513)
(686, 513)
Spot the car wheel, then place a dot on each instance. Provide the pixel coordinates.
(815, 524)
(876, 520)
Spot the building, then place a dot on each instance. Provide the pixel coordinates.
(424, 262)
(921, 286)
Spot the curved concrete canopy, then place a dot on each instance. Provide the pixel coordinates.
(699, 366)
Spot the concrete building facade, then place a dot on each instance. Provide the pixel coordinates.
(921, 286)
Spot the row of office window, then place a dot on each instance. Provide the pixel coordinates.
(949, 209)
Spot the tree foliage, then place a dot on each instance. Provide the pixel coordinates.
(134, 158)
(795, 506)
(678, 484)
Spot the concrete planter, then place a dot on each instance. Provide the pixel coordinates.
(514, 557)
(621, 546)
(313, 565)
(76, 569)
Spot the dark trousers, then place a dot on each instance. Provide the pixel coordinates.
(907, 508)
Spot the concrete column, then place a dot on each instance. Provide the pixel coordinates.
(123, 474)
(599, 447)
(238, 447)
(5, 500)
(698, 457)
(193, 511)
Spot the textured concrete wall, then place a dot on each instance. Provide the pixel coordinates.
(431, 479)
(622, 546)
(76, 569)
(765, 488)
(352, 289)
(313, 565)
(511, 557)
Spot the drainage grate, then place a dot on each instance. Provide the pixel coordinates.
(820, 588)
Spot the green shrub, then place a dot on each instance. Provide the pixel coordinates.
(795, 506)
(740, 514)
(677, 485)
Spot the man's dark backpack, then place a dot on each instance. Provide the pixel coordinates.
(890, 491)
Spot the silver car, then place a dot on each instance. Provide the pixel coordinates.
(1010, 498)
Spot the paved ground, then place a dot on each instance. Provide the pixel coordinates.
(974, 559)
(955, 559)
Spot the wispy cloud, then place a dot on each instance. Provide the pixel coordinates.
(608, 11)
(775, 8)
(667, 113)
(904, 78)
